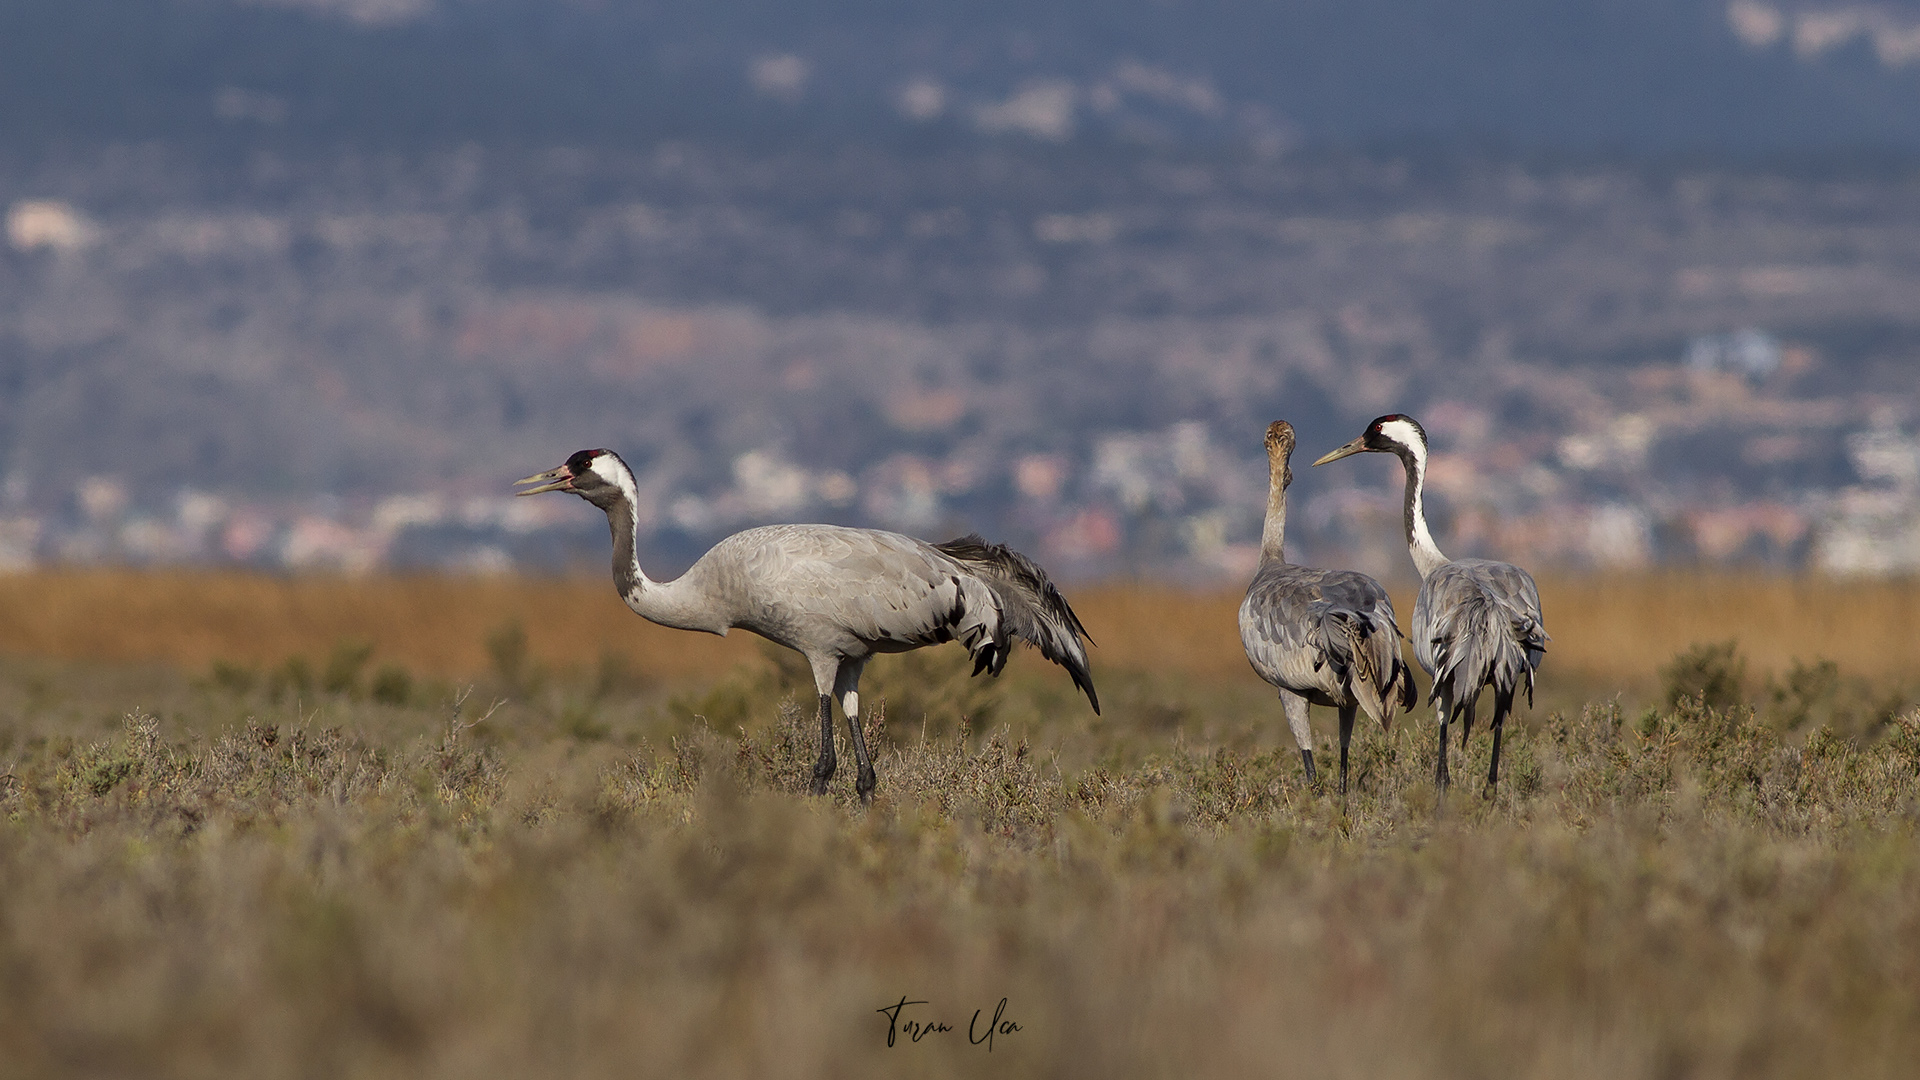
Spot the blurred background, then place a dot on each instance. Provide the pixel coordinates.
(306, 284)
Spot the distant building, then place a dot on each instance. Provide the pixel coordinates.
(1619, 537)
(34, 224)
(1750, 352)
(1874, 527)
(19, 543)
(1886, 456)
(1870, 533)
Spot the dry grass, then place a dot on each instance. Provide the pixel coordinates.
(1676, 895)
(1615, 631)
(1606, 630)
(434, 625)
(251, 875)
(1624, 629)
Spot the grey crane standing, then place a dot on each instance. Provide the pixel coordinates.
(837, 596)
(1322, 636)
(1476, 622)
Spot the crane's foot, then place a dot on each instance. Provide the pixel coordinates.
(822, 773)
(865, 784)
(1307, 757)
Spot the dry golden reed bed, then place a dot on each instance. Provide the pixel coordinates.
(227, 864)
(1615, 630)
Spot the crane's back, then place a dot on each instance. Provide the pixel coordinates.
(1477, 621)
(1283, 624)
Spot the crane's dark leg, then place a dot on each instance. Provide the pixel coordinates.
(1442, 704)
(1464, 710)
(847, 685)
(1346, 736)
(1502, 703)
(1295, 707)
(823, 765)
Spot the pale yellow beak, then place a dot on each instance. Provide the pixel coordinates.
(1357, 446)
(560, 479)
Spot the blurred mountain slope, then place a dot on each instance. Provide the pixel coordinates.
(1571, 75)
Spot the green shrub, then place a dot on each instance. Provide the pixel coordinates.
(342, 674)
(1817, 694)
(616, 673)
(392, 685)
(507, 649)
(232, 678)
(294, 676)
(1713, 674)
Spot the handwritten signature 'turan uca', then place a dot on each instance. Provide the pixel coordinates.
(915, 1030)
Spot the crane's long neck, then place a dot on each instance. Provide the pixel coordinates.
(1426, 554)
(679, 603)
(1273, 534)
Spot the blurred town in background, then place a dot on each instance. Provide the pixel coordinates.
(1058, 309)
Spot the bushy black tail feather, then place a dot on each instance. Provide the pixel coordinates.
(1031, 608)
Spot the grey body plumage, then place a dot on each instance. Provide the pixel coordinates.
(1321, 637)
(837, 596)
(1476, 622)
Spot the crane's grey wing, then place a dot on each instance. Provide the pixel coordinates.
(1029, 607)
(1478, 621)
(1358, 606)
(834, 589)
(825, 588)
(1282, 630)
(1330, 630)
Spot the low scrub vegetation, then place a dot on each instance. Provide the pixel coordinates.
(584, 873)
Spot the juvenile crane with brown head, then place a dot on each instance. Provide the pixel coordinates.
(1325, 637)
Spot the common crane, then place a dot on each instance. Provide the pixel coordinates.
(1476, 622)
(1322, 636)
(837, 596)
